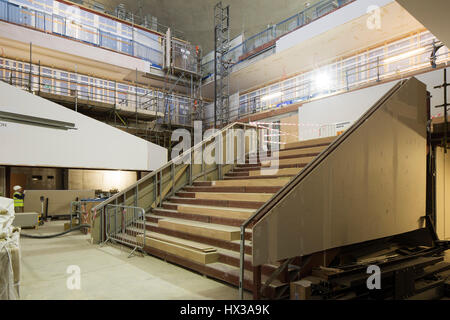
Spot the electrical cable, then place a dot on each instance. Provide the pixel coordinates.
(48, 236)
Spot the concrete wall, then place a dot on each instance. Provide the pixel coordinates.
(93, 145)
(443, 194)
(100, 180)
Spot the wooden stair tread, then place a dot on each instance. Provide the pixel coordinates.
(211, 226)
(182, 242)
(182, 251)
(214, 207)
(235, 196)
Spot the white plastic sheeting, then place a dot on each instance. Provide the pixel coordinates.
(9, 252)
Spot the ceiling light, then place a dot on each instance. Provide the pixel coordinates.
(323, 81)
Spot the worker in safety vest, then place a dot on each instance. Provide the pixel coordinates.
(18, 197)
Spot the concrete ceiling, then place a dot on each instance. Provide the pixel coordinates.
(195, 17)
(432, 14)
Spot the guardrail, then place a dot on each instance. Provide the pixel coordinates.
(123, 224)
(150, 191)
(60, 25)
(311, 13)
(342, 78)
(167, 107)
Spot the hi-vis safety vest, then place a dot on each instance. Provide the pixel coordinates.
(17, 202)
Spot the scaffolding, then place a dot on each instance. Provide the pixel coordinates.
(221, 65)
(181, 64)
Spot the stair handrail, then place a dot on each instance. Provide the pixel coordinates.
(268, 205)
(172, 162)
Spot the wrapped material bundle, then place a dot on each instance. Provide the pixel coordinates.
(10, 264)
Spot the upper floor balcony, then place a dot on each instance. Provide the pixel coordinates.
(67, 35)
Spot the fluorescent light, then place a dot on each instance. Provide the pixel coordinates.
(271, 96)
(405, 55)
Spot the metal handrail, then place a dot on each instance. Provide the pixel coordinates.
(169, 164)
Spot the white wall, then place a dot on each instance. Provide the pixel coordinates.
(351, 11)
(94, 145)
(335, 109)
(348, 107)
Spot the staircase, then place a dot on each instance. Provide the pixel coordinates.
(198, 226)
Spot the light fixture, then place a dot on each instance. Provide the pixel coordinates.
(323, 81)
(405, 55)
(271, 96)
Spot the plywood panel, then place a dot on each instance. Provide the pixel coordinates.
(274, 172)
(58, 200)
(302, 151)
(202, 229)
(371, 186)
(190, 254)
(310, 142)
(442, 194)
(281, 162)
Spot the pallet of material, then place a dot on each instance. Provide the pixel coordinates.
(186, 252)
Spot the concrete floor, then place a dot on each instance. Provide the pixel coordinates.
(106, 272)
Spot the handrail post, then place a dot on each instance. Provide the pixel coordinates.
(241, 263)
(172, 178)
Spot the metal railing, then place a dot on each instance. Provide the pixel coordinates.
(292, 23)
(75, 27)
(150, 191)
(340, 76)
(113, 93)
(125, 225)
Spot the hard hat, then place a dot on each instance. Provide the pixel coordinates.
(17, 188)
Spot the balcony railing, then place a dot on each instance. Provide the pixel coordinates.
(71, 28)
(316, 11)
(169, 108)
